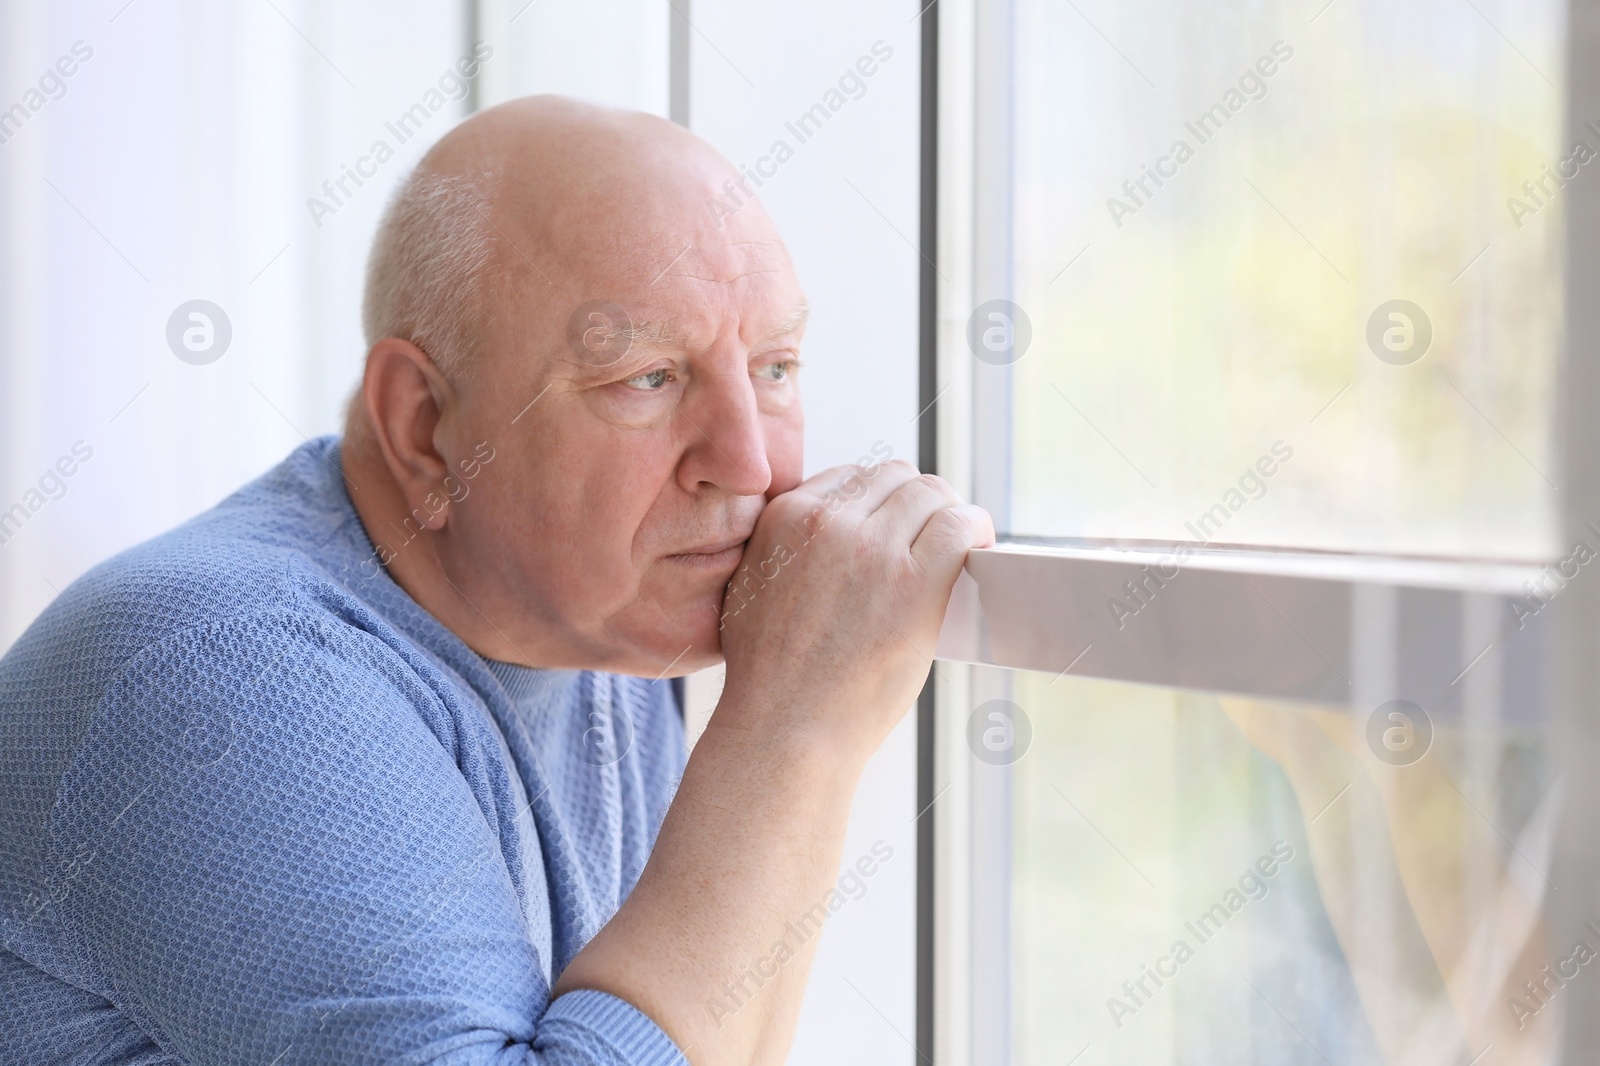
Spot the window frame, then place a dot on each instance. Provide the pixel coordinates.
(1043, 606)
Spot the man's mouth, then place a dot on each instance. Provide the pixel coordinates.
(720, 555)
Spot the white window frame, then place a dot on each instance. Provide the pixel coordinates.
(1332, 628)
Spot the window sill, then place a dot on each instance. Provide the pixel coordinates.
(1270, 624)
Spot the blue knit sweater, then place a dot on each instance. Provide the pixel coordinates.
(257, 806)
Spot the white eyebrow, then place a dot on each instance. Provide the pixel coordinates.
(662, 334)
(794, 321)
(657, 333)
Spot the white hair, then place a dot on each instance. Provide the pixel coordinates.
(428, 272)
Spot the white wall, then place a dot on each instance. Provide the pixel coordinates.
(177, 166)
(611, 52)
(749, 75)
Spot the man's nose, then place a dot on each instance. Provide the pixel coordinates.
(727, 444)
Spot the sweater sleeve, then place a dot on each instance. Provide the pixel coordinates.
(273, 848)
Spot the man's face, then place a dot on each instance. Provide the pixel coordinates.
(642, 400)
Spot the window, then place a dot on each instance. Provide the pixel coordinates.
(1262, 735)
(1212, 242)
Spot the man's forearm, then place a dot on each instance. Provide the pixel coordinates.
(706, 943)
(820, 669)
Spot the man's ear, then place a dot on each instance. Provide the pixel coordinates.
(405, 396)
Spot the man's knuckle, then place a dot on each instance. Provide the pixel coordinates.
(865, 548)
(951, 528)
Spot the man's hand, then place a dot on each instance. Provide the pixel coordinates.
(829, 630)
(831, 621)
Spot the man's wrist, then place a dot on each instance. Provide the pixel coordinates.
(781, 723)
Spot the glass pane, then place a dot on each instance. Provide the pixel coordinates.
(1204, 880)
(1292, 274)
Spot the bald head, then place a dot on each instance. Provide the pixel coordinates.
(539, 199)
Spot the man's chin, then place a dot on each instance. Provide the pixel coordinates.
(677, 641)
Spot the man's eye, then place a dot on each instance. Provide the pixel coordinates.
(776, 371)
(648, 382)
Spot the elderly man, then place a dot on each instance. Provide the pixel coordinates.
(375, 761)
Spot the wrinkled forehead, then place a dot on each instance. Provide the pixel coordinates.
(726, 299)
(658, 263)
(733, 287)
(665, 256)
(594, 211)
